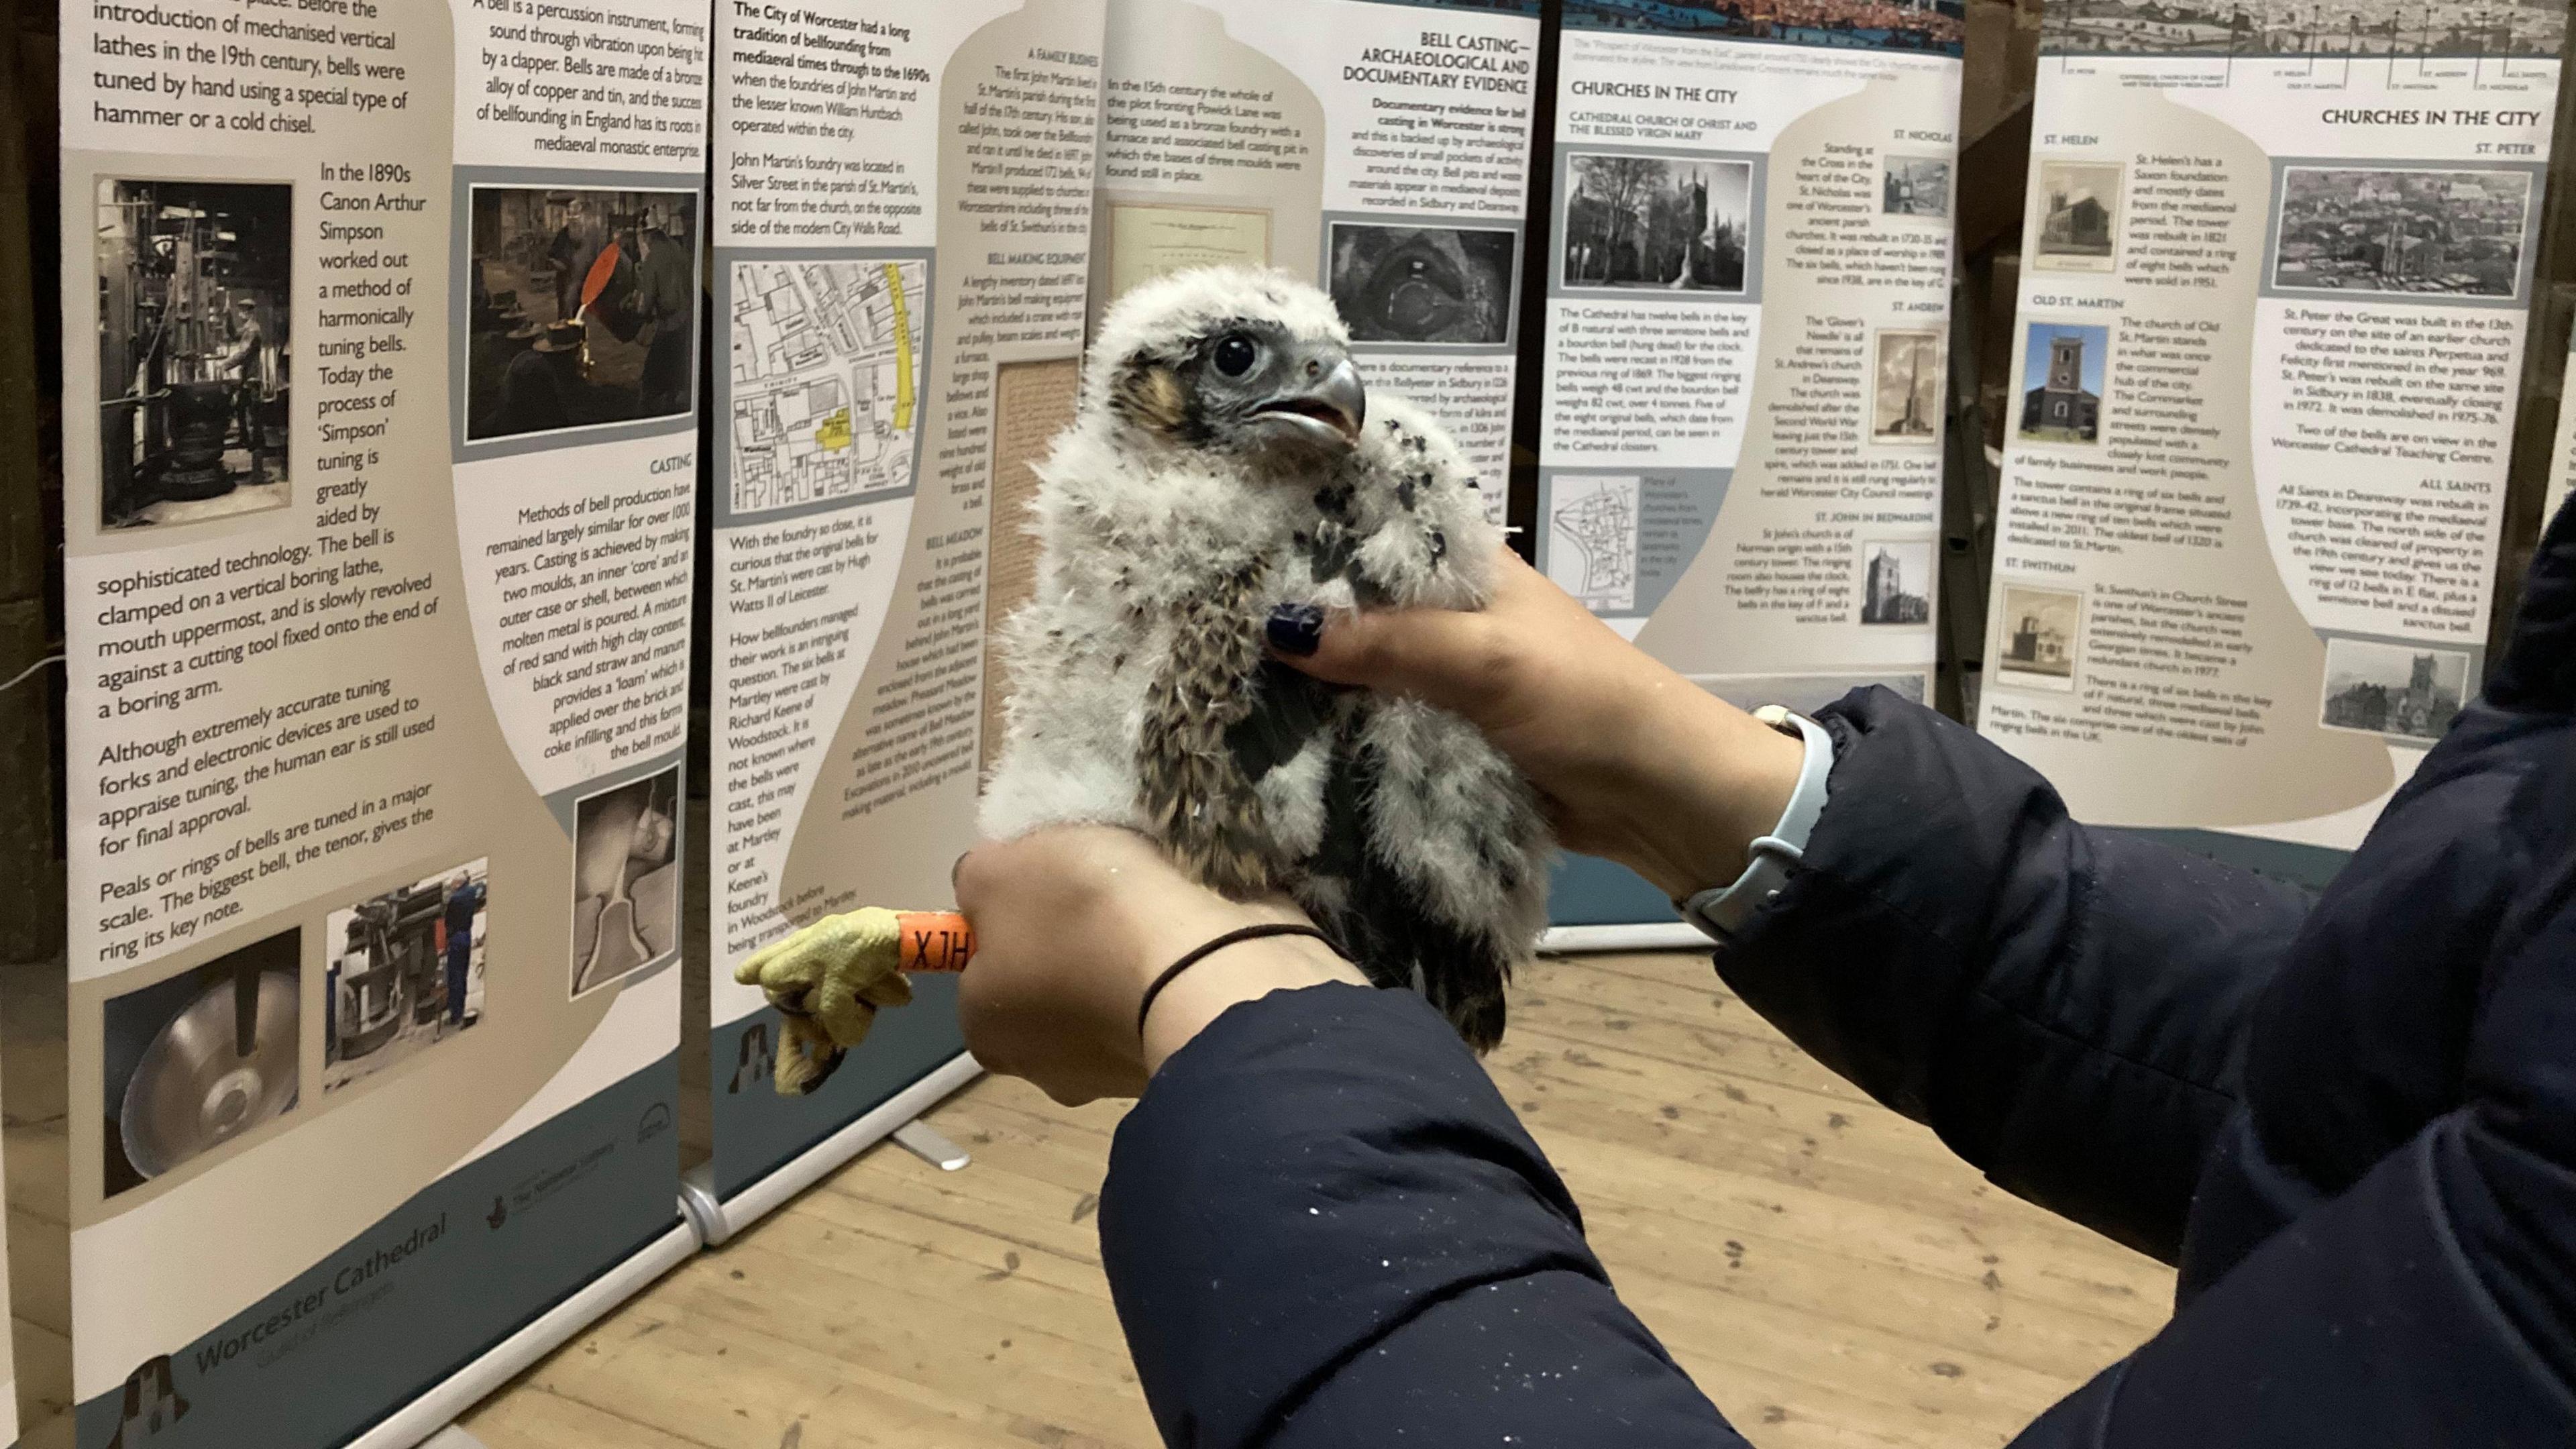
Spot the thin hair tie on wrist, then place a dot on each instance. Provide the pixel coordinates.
(1235, 937)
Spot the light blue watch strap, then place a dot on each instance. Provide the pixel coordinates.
(1720, 912)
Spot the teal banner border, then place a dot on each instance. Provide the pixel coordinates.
(757, 1131)
(463, 1264)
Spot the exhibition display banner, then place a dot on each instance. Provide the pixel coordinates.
(380, 368)
(2562, 454)
(902, 208)
(1378, 148)
(1747, 323)
(2275, 289)
(8, 1337)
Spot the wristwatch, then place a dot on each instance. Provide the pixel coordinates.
(1720, 912)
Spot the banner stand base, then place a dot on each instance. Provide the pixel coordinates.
(1645, 936)
(436, 1410)
(430, 1420)
(819, 1161)
(931, 1145)
(698, 1204)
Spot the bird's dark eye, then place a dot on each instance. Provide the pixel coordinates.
(1235, 354)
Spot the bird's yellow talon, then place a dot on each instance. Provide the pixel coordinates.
(827, 980)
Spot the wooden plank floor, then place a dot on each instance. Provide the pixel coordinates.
(1828, 1273)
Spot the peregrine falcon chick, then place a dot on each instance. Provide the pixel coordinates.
(1226, 459)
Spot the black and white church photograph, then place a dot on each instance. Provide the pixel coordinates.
(1914, 186)
(2382, 687)
(1896, 581)
(2446, 231)
(1642, 222)
(1905, 404)
(2041, 636)
(2078, 215)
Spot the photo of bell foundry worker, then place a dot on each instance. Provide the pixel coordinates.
(192, 349)
(1425, 284)
(406, 972)
(583, 308)
(625, 879)
(198, 1060)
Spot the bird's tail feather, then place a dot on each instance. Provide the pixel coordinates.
(1380, 922)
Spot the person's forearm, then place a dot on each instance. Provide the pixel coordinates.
(1637, 763)
(2368, 1322)
(2064, 1006)
(1232, 976)
(1697, 781)
(1322, 1226)
(1077, 924)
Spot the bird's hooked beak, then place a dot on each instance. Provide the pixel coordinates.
(1329, 408)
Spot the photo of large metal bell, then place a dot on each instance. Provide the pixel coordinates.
(200, 415)
(222, 1066)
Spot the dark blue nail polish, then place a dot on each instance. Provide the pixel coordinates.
(1296, 629)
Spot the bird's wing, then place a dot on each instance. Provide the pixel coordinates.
(1432, 864)
(1289, 710)
(1206, 811)
(1417, 529)
(1074, 661)
(1369, 888)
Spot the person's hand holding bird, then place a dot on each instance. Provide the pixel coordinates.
(1228, 480)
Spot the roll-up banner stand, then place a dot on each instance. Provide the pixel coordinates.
(2276, 286)
(1378, 148)
(1747, 318)
(902, 208)
(8, 1336)
(2562, 453)
(379, 369)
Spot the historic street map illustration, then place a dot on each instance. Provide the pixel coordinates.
(825, 367)
(1596, 520)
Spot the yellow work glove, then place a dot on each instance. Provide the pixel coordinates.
(828, 981)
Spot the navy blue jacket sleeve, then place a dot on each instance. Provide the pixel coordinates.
(2431, 1302)
(2064, 1006)
(1323, 1227)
